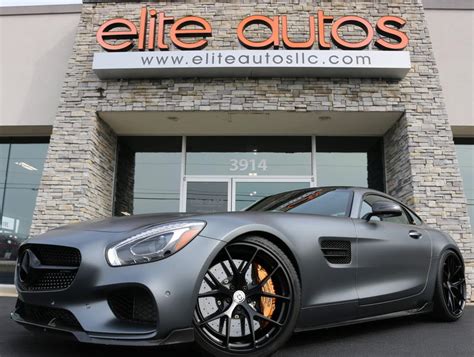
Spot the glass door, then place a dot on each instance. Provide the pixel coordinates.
(203, 194)
(207, 195)
(247, 192)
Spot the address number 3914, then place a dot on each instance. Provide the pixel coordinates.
(248, 165)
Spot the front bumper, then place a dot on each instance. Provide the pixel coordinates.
(173, 284)
(174, 337)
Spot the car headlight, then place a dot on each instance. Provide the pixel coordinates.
(154, 243)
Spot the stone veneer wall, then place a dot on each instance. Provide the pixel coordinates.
(421, 166)
(125, 180)
(78, 175)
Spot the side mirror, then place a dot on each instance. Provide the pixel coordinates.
(385, 209)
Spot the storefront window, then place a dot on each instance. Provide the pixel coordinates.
(346, 161)
(248, 156)
(157, 178)
(207, 197)
(465, 153)
(216, 173)
(148, 175)
(341, 169)
(21, 167)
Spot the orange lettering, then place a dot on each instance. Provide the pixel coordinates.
(152, 34)
(290, 44)
(142, 34)
(162, 19)
(392, 33)
(272, 23)
(178, 31)
(354, 20)
(105, 32)
(322, 20)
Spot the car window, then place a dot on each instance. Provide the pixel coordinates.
(417, 220)
(366, 208)
(326, 202)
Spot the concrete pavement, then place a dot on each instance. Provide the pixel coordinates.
(413, 336)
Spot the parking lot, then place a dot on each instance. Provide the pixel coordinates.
(412, 336)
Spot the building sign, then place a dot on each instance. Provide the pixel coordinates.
(252, 63)
(192, 33)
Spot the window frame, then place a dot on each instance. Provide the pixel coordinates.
(25, 140)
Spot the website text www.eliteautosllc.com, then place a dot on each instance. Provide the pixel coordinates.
(268, 58)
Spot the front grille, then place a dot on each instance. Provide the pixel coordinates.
(133, 304)
(52, 280)
(56, 255)
(57, 270)
(47, 316)
(337, 251)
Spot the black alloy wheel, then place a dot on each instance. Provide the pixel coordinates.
(248, 300)
(450, 296)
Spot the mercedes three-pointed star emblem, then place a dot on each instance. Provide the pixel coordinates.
(26, 264)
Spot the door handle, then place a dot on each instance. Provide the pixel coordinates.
(415, 234)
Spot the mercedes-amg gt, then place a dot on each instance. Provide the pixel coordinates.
(240, 283)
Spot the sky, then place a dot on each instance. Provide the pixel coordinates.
(37, 2)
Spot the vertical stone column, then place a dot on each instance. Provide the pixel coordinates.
(422, 171)
(398, 180)
(421, 166)
(78, 177)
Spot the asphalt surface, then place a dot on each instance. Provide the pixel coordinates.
(408, 336)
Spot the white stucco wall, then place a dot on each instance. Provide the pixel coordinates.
(33, 58)
(452, 34)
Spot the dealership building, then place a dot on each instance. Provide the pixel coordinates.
(127, 107)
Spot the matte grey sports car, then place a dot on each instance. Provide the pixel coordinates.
(240, 283)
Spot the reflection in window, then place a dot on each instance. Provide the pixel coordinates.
(465, 153)
(325, 202)
(248, 156)
(148, 174)
(157, 182)
(21, 167)
(207, 197)
(341, 169)
(247, 193)
(350, 161)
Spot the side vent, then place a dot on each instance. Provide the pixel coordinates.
(337, 251)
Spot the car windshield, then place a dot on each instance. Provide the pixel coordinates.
(326, 202)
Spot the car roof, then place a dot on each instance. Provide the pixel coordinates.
(348, 188)
(356, 189)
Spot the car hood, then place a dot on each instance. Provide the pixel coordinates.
(123, 224)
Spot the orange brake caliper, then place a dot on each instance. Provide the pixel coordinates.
(267, 304)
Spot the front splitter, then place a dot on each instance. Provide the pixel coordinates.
(185, 335)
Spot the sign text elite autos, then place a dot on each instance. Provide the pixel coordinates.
(191, 32)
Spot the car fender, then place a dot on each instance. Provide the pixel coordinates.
(235, 232)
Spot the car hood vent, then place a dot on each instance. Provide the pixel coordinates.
(337, 251)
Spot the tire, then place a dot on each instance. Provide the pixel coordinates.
(450, 290)
(262, 286)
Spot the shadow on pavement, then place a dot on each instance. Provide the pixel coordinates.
(410, 336)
